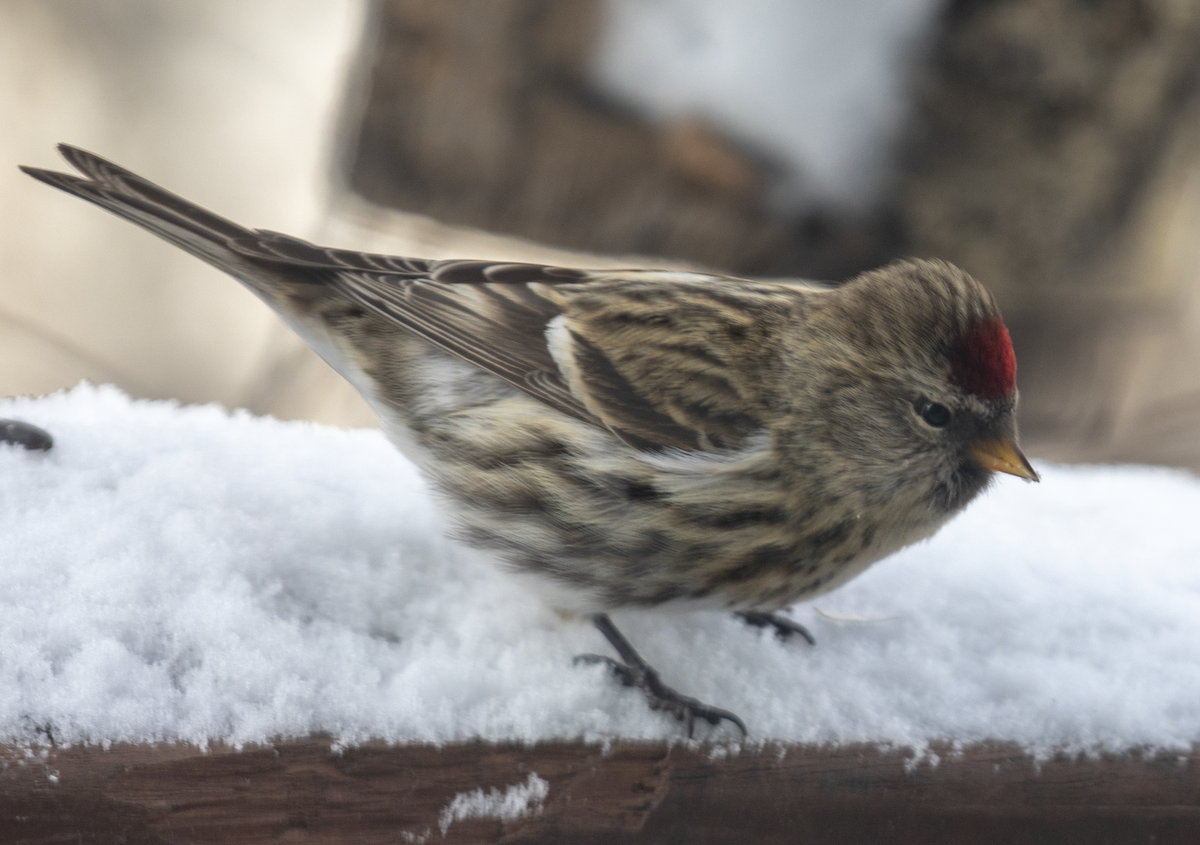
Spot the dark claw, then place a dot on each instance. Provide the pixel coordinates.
(635, 672)
(24, 434)
(784, 628)
(662, 697)
(685, 708)
(623, 673)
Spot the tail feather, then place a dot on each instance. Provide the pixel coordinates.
(171, 217)
(127, 184)
(209, 236)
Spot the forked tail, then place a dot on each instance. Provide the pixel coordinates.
(185, 224)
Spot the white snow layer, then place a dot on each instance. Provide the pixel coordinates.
(173, 573)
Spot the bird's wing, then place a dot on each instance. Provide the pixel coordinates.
(651, 355)
(669, 358)
(499, 327)
(547, 331)
(656, 374)
(646, 354)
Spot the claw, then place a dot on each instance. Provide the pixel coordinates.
(784, 627)
(624, 673)
(635, 672)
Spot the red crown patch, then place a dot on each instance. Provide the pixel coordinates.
(982, 362)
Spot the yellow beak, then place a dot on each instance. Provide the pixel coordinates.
(1002, 455)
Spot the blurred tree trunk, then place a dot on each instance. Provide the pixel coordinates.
(480, 113)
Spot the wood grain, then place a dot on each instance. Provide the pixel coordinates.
(304, 791)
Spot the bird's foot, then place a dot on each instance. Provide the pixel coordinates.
(636, 672)
(683, 707)
(784, 628)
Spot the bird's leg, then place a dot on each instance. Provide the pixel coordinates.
(636, 672)
(784, 627)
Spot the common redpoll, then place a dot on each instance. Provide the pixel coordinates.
(642, 438)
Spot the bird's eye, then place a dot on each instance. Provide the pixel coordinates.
(935, 414)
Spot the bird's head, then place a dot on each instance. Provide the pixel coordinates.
(917, 389)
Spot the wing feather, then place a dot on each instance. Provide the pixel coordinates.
(610, 364)
(501, 334)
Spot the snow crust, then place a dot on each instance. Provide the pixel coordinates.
(181, 573)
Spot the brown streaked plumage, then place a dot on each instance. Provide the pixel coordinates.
(641, 438)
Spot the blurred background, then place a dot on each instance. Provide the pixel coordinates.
(1050, 147)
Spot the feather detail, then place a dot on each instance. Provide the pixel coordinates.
(688, 350)
(612, 399)
(608, 367)
(982, 362)
(499, 328)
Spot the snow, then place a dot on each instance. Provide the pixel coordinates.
(515, 802)
(182, 573)
(821, 87)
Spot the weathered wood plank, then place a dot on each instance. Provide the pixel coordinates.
(302, 791)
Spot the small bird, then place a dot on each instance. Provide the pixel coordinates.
(642, 438)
